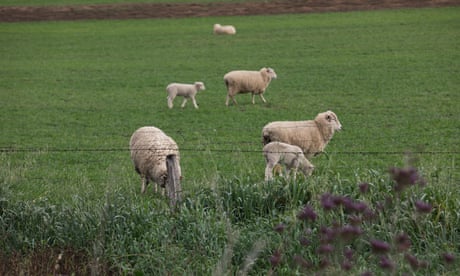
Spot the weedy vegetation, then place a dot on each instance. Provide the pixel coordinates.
(384, 197)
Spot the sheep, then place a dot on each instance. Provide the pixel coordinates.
(149, 147)
(242, 81)
(188, 91)
(311, 136)
(225, 30)
(285, 154)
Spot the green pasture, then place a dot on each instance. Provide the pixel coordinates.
(72, 93)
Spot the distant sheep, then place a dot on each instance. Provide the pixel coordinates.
(225, 30)
(254, 82)
(290, 156)
(188, 91)
(311, 136)
(149, 148)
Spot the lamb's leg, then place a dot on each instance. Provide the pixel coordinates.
(184, 102)
(253, 96)
(170, 101)
(194, 103)
(269, 172)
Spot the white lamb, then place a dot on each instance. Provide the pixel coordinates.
(254, 82)
(225, 30)
(149, 148)
(290, 156)
(311, 136)
(188, 91)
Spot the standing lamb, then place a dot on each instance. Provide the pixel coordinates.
(311, 136)
(188, 91)
(149, 148)
(284, 154)
(224, 30)
(243, 81)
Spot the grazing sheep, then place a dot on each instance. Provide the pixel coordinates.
(254, 82)
(188, 91)
(284, 154)
(149, 148)
(225, 30)
(311, 136)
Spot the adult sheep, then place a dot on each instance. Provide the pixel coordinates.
(224, 30)
(188, 91)
(288, 155)
(150, 147)
(311, 136)
(242, 81)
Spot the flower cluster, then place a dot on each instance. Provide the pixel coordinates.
(335, 244)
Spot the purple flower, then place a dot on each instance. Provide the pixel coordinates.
(327, 202)
(327, 234)
(423, 207)
(405, 177)
(348, 253)
(304, 241)
(275, 259)
(402, 241)
(364, 188)
(346, 265)
(325, 249)
(307, 213)
(386, 263)
(379, 247)
(449, 258)
(349, 232)
(280, 228)
(412, 260)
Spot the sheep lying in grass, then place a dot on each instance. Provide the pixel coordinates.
(188, 91)
(149, 148)
(225, 30)
(254, 82)
(311, 136)
(290, 156)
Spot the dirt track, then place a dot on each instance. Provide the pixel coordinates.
(133, 11)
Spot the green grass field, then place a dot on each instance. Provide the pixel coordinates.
(72, 93)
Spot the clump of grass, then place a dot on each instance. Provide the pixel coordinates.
(377, 229)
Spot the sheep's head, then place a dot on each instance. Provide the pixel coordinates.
(199, 86)
(329, 118)
(269, 72)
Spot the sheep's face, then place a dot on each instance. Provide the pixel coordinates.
(199, 86)
(271, 73)
(332, 120)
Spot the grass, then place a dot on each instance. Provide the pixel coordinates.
(72, 93)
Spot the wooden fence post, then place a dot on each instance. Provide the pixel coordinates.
(173, 187)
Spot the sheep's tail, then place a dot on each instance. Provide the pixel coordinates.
(226, 83)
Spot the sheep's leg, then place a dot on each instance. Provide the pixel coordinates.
(145, 182)
(184, 102)
(170, 101)
(253, 96)
(194, 103)
(262, 97)
(228, 99)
